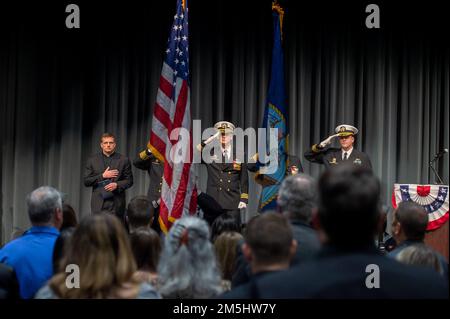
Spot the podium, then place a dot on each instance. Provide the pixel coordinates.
(435, 199)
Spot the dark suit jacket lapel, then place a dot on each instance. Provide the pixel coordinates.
(338, 155)
(115, 161)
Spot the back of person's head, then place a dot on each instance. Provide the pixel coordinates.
(69, 217)
(101, 249)
(226, 248)
(270, 239)
(45, 207)
(187, 267)
(297, 197)
(349, 206)
(411, 220)
(61, 247)
(139, 212)
(224, 222)
(146, 246)
(420, 255)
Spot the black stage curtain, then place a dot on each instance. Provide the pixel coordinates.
(61, 88)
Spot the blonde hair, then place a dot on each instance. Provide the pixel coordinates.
(101, 249)
(226, 249)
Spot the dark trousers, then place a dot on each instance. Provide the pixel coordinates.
(155, 224)
(237, 215)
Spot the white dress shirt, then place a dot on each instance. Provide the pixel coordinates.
(349, 152)
(228, 152)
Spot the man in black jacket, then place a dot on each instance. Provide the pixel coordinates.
(331, 157)
(109, 174)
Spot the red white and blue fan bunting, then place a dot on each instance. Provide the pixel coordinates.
(434, 198)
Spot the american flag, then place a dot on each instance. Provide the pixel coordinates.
(172, 112)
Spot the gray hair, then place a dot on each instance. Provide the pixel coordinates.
(42, 203)
(420, 255)
(188, 266)
(297, 197)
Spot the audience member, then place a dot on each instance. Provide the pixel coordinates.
(409, 227)
(224, 222)
(226, 248)
(188, 267)
(31, 254)
(269, 247)
(146, 247)
(69, 217)
(297, 199)
(101, 250)
(61, 247)
(420, 255)
(349, 265)
(9, 287)
(139, 213)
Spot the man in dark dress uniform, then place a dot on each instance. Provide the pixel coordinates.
(331, 157)
(147, 161)
(227, 175)
(109, 174)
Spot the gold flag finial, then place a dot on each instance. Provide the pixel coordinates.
(276, 7)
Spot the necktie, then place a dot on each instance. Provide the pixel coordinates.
(345, 156)
(225, 155)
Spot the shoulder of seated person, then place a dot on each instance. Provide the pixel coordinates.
(45, 293)
(147, 291)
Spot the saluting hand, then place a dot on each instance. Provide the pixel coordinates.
(327, 141)
(207, 141)
(210, 139)
(110, 173)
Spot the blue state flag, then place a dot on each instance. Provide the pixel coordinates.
(275, 114)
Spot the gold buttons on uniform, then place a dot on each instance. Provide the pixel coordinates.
(220, 179)
(229, 181)
(220, 188)
(228, 189)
